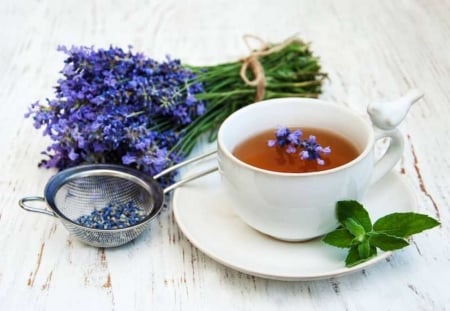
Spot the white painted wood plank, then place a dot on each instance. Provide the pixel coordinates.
(372, 50)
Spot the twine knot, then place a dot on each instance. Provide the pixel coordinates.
(253, 63)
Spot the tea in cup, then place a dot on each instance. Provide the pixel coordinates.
(297, 202)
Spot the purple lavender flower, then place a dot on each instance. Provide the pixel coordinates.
(282, 135)
(271, 142)
(304, 155)
(310, 149)
(294, 137)
(116, 106)
(282, 131)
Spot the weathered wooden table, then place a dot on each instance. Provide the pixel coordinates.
(372, 50)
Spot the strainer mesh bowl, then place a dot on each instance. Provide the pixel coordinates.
(80, 192)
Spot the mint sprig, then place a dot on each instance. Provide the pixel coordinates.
(388, 233)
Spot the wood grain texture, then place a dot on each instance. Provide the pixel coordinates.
(372, 50)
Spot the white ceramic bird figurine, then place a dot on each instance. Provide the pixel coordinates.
(389, 115)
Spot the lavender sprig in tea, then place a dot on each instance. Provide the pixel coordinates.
(296, 151)
(292, 141)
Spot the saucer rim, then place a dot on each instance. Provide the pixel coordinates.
(289, 276)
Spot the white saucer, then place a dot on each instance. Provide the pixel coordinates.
(202, 211)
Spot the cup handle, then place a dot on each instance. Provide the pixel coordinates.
(391, 156)
(23, 204)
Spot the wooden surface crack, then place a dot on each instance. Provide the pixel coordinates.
(422, 186)
(33, 274)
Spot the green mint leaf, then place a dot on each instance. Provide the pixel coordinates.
(340, 238)
(354, 209)
(354, 258)
(364, 249)
(387, 233)
(354, 228)
(387, 242)
(404, 224)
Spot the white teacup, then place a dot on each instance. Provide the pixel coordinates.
(301, 206)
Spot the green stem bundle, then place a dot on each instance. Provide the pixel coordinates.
(292, 71)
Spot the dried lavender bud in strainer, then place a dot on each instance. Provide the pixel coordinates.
(113, 216)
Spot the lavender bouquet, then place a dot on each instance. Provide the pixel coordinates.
(116, 106)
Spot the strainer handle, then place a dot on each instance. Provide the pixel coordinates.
(189, 178)
(23, 204)
(184, 163)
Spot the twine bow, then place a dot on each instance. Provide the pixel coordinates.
(252, 62)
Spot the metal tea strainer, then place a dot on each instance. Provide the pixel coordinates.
(81, 190)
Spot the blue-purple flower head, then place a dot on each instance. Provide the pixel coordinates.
(284, 137)
(117, 106)
(309, 149)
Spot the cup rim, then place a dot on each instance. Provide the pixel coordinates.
(359, 158)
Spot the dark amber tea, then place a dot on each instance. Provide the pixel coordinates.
(256, 152)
